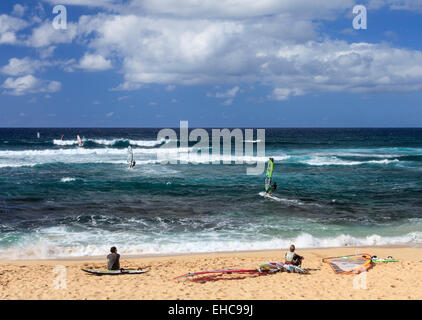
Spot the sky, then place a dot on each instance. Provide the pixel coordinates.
(226, 63)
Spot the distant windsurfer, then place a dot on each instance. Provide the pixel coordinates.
(113, 259)
(80, 143)
(292, 257)
(62, 137)
(130, 160)
(270, 187)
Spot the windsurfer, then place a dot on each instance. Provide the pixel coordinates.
(269, 188)
(130, 157)
(292, 257)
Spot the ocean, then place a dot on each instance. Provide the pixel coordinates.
(336, 187)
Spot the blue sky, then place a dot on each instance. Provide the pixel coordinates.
(152, 63)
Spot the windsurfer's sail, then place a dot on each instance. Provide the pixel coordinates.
(229, 271)
(269, 175)
(129, 155)
(349, 264)
(80, 143)
(264, 269)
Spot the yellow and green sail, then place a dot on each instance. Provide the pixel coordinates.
(269, 175)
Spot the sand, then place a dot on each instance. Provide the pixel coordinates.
(41, 279)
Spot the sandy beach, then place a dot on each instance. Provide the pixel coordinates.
(38, 279)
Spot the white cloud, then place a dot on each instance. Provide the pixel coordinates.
(86, 3)
(240, 8)
(45, 35)
(228, 102)
(230, 43)
(231, 93)
(29, 84)
(8, 28)
(110, 114)
(292, 60)
(122, 98)
(94, 62)
(411, 5)
(18, 10)
(26, 65)
(284, 93)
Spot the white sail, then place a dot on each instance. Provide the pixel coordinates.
(129, 155)
(80, 143)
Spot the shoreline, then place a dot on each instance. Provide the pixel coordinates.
(37, 279)
(169, 255)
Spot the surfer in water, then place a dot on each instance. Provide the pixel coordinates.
(292, 257)
(132, 164)
(113, 259)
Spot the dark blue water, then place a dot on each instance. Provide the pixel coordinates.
(335, 187)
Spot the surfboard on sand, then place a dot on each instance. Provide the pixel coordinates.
(115, 272)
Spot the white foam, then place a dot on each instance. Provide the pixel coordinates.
(111, 142)
(67, 179)
(61, 244)
(65, 142)
(334, 161)
(277, 199)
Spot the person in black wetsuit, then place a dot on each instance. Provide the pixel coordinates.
(113, 259)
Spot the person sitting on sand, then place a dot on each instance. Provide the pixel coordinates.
(113, 259)
(293, 258)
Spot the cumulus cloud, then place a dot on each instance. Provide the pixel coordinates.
(188, 51)
(230, 43)
(236, 9)
(94, 62)
(18, 10)
(29, 84)
(8, 27)
(45, 35)
(26, 65)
